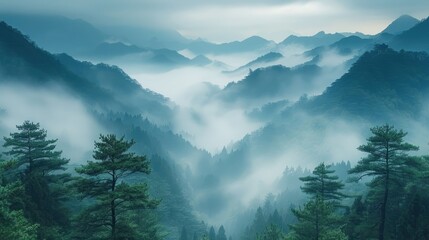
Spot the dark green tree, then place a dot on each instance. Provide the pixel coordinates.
(388, 163)
(114, 200)
(41, 169)
(272, 232)
(221, 233)
(33, 152)
(316, 221)
(212, 233)
(323, 184)
(13, 225)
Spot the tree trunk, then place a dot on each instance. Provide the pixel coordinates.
(384, 203)
(112, 207)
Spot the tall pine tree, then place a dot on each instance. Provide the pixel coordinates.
(41, 169)
(388, 163)
(317, 219)
(114, 200)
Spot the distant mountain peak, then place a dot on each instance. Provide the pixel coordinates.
(255, 39)
(401, 24)
(321, 33)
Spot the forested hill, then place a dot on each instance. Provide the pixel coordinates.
(116, 104)
(381, 84)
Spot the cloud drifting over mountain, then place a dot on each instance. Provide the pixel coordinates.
(274, 19)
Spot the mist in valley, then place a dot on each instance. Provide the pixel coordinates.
(229, 128)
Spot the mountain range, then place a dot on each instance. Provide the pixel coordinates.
(116, 102)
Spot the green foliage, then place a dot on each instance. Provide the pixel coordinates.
(315, 220)
(389, 166)
(115, 202)
(39, 166)
(272, 232)
(323, 184)
(13, 225)
(33, 151)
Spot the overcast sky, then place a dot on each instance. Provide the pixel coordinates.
(227, 20)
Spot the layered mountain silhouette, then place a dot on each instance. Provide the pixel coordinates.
(102, 86)
(254, 43)
(382, 86)
(79, 38)
(319, 39)
(269, 84)
(57, 34)
(262, 60)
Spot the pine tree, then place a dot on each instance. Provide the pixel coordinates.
(13, 225)
(115, 200)
(387, 163)
(315, 221)
(212, 233)
(322, 184)
(221, 233)
(272, 232)
(38, 165)
(33, 152)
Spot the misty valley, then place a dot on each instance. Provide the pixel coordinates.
(125, 132)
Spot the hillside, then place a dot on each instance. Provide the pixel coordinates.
(401, 24)
(380, 85)
(270, 84)
(414, 39)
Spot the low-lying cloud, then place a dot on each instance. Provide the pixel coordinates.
(64, 117)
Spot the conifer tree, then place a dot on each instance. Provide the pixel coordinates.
(212, 233)
(105, 182)
(221, 233)
(13, 225)
(33, 152)
(317, 218)
(322, 184)
(388, 163)
(272, 232)
(40, 167)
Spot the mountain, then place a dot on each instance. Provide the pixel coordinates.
(148, 37)
(317, 40)
(56, 33)
(270, 84)
(254, 43)
(267, 58)
(81, 39)
(104, 87)
(381, 84)
(401, 24)
(108, 50)
(117, 104)
(25, 63)
(414, 39)
(344, 46)
(122, 88)
(201, 60)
